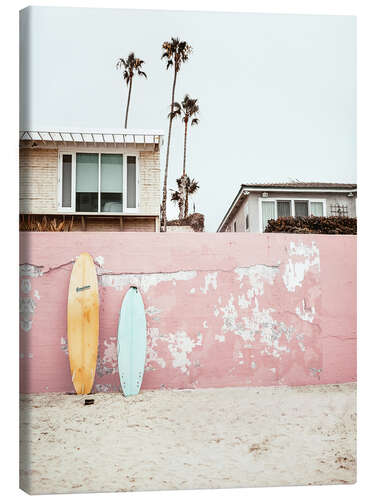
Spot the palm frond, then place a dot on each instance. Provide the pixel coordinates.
(176, 196)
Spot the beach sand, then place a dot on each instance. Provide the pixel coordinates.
(189, 439)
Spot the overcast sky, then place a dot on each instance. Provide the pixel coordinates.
(276, 92)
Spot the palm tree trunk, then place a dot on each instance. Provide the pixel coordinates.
(181, 205)
(183, 212)
(127, 106)
(186, 201)
(184, 166)
(163, 225)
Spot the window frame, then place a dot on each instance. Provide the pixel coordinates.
(72, 209)
(292, 200)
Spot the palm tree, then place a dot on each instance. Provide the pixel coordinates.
(191, 187)
(176, 52)
(182, 198)
(190, 108)
(177, 198)
(132, 65)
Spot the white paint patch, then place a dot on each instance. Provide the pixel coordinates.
(153, 312)
(27, 305)
(205, 324)
(36, 294)
(220, 338)
(257, 324)
(27, 309)
(192, 290)
(180, 345)
(64, 345)
(103, 387)
(305, 313)
(257, 275)
(26, 324)
(110, 354)
(308, 258)
(30, 271)
(25, 286)
(153, 337)
(209, 280)
(99, 260)
(143, 281)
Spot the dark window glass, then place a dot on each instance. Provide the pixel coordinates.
(301, 208)
(283, 209)
(87, 166)
(66, 200)
(131, 183)
(247, 221)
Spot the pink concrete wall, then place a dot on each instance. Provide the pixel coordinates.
(222, 309)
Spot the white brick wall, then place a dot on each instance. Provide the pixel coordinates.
(38, 181)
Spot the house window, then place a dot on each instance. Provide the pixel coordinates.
(274, 208)
(283, 209)
(87, 182)
(235, 226)
(317, 208)
(98, 182)
(268, 212)
(301, 208)
(131, 182)
(66, 180)
(247, 222)
(111, 181)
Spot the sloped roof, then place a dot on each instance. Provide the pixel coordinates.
(299, 185)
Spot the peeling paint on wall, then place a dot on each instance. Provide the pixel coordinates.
(251, 316)
(209, 280)
(153, 338)
(180, 345)
(64, 345)
(153, 312)
(302, 259)
(143, 281)
(30, 271)
(305, 313)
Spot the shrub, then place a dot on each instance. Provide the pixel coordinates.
(196, 221)
(38, 223)
(313, 225)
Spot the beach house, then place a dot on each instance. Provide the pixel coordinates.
(95, 180)
(255, 204)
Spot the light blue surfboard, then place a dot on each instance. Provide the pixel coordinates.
(131, 342)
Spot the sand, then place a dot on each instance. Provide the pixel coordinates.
(203, 438)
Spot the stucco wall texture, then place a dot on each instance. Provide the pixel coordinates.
(222, 309)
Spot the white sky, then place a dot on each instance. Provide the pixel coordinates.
(276, 92)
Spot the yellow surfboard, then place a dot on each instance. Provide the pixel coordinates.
(83, 323)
